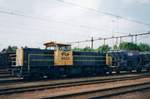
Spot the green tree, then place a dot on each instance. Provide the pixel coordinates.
(144, 47)
(128, 46)
(104, 48)
(77, 49)
(88, 49)
(115, 47)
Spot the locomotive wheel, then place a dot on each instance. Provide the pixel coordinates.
(138, 70)
(118, 71)
(103, 73)
(110, 72)
(27, 78)
(148, 69)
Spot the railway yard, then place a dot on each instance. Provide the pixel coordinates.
(126, 85)
(74, 49)
(66, 74)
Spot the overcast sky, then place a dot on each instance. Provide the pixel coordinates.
(33, 22)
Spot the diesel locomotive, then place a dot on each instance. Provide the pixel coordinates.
(58, 60)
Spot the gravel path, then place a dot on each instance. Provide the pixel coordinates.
(144, 94)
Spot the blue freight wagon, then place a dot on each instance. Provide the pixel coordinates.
(145, 60)
(125, 61)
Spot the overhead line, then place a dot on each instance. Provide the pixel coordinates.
(106, 38)
(106, 13)
(45, 20)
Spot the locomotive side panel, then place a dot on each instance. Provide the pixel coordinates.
(89, 59)
(89, 63)
(35, 62)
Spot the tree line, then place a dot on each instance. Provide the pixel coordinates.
(122, 46)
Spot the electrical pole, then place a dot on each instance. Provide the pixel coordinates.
(104, 41)
(92, 41)
(78, 45)
(120, 39)
(132, 37)
(136, 39)
(116, 41)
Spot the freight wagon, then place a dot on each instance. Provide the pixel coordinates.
(145, 60)
(129, 61)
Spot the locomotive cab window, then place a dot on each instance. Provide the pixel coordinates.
(65, 48)
(57, 46)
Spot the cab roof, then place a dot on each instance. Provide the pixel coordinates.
(51, 43)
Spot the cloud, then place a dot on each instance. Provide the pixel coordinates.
(87, 3)
(147, 2)
(64, 23)
(144, 1)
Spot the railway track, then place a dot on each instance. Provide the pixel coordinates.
(4, 73)
(10, 80)
(7, 79)
(103, 93)
(6, 76)
(10, 89)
